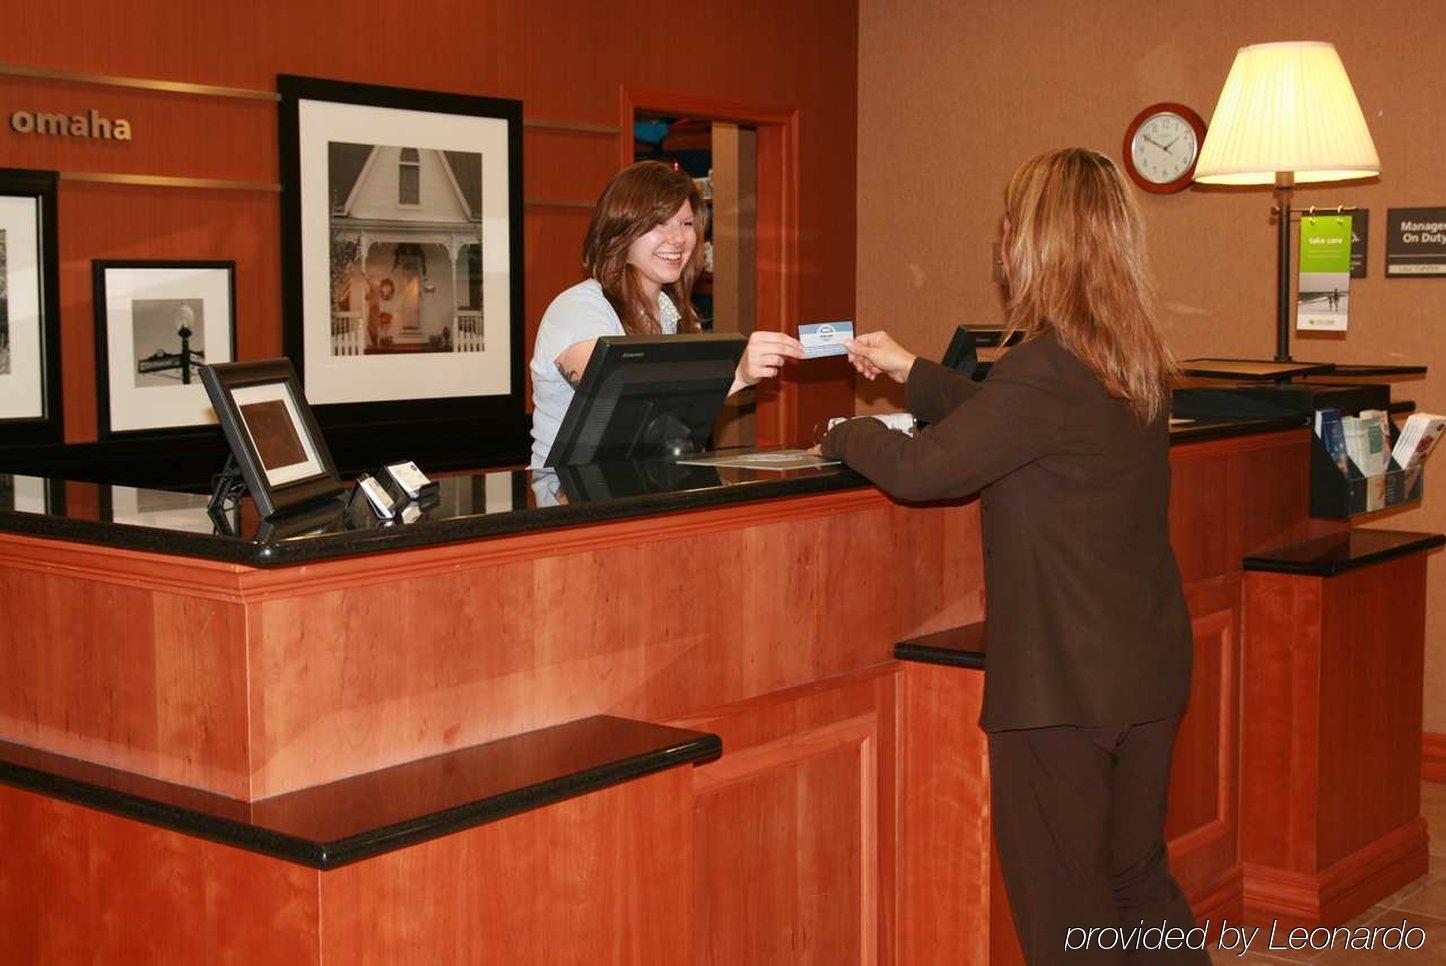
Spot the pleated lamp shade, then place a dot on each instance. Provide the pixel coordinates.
(1287, 107)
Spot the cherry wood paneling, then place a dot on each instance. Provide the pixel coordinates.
(1230, 496)
(81, 886)
(349, 665)
(1202, 823)
(1199, 513)
(601, 878)
(945, 847)
(1332, 743)
(123, 674)
(604, 878)
(374, 668)
(795, 825)
(1370, 693)
(1282, 727)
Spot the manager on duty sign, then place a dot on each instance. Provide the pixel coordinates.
(1416, 241)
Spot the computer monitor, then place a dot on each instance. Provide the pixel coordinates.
(962, 354)
(647, 396)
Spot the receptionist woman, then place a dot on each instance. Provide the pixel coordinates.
(643, 253)
(1089, 643)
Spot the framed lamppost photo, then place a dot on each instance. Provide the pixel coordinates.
(156, 324)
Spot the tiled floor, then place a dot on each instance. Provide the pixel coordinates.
(1422, 903)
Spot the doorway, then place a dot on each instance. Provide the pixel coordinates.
(722, 159)
(744, 157)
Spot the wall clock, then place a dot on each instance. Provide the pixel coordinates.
(1162, 145)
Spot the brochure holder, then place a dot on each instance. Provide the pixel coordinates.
(1340, 496)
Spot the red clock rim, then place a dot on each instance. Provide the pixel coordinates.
(1163, 107)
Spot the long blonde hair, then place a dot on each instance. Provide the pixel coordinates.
(637, 200)
(1074, 254)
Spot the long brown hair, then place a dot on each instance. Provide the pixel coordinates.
(641, 197)
(1075, 265)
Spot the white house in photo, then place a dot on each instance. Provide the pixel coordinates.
(409, 222)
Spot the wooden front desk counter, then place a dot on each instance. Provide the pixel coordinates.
(846, 820)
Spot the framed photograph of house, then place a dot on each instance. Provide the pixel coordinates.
(402, 254)
(156, 324)
(273, 436)
(29, 309)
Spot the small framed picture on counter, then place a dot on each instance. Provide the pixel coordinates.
(273, 436)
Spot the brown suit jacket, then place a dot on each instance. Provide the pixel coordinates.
(1086, 620)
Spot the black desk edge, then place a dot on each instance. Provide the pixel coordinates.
(1336, 554)
(961, 646)
(220, 819)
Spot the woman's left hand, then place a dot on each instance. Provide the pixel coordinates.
(764, 356)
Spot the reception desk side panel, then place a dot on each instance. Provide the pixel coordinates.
(81, 886)
(605, 878)
(945, 840)
(126, 659)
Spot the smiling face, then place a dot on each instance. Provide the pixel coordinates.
(659, 254)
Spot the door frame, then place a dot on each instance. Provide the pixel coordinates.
(777, 225)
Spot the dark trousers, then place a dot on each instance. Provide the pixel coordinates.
(1079, 818)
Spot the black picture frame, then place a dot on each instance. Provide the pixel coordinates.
(49, 426)
(222, 382)
(105, 432)
(484, 428)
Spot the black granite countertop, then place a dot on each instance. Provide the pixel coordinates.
(961, 646)
(1339, 552)
(356, 818)
(467, 507)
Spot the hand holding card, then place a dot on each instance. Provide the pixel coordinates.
(764, 356)
(874, 353)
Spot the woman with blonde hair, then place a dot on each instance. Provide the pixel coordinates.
(643, 254)
(1089, 643)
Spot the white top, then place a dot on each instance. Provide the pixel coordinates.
(581, 313)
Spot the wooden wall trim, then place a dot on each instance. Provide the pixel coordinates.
(208, 579)
(1317, 897)
(1433, 756)
(140, 83)
(167, 181)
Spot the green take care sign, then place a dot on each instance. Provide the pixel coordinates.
(1323, 296)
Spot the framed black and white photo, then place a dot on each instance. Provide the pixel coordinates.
(402, 254)
(273, 436)
(156, 324)
(29, 309)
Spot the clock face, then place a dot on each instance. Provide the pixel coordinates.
(1163, 148)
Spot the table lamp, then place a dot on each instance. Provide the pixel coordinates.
(1286, 115)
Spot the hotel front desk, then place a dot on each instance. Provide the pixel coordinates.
(645, 714)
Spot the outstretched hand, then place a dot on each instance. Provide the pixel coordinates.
(876, 353)
(764, 356)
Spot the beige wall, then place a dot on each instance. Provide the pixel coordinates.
(952, 95)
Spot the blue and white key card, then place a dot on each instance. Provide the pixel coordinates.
(825, 338)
